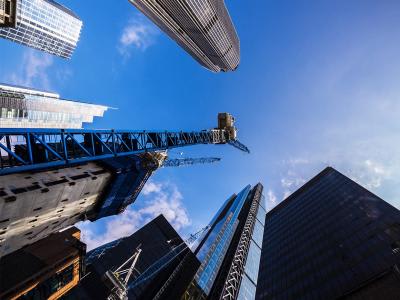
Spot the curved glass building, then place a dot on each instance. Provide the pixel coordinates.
(203, 28)
(41, 24)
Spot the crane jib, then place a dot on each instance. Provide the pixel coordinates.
(34, 149)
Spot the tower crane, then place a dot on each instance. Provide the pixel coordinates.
(35, 149)
(180, 162)
(85, 174)
(118, 280)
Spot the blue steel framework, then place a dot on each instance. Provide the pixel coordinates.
(34, 149)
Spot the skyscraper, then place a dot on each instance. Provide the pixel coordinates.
(163, 269)
(40, 24)
(202, 28)
(331, 239)
(30, 108)
(230, 250)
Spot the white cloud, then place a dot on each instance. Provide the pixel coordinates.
(151, 187)
(160, 198)
(271, 197)
(371, 174)
(139, 33)
(33, 70)
(271, 200)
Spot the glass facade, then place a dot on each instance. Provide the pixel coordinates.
(225, 243)
(213, 251)
(26, 108)
(330, 237)
(202, 28)
(249, 281)
(45, 25)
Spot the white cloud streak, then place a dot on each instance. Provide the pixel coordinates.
(160, 198)
(33, 69)
(139, 34)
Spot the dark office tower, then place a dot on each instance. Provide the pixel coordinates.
(202, 27)
(230, 250)
(40, 24)
(163, 270)
(331, 239)
(44, 270)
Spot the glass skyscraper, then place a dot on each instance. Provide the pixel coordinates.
(202, 28)
(22, 107)
(331, 239)
(41, 24)
(230, 250)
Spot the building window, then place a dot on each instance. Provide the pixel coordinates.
(48, 287)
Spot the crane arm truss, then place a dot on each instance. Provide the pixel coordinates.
(179, 162)
(34, 149)
(238, 145)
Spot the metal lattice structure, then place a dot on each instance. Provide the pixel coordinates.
(120, 277)
(233, 280)
(181, 162)
(34, 149)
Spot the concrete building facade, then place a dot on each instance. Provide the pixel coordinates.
(34, 205)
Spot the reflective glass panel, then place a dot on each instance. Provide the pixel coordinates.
(247, 289)
(253, 262)
(258, 233)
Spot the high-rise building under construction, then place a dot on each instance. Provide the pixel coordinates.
(41, 24)
(202, 28)
(52, 179)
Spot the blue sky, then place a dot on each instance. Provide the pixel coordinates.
(318, 85)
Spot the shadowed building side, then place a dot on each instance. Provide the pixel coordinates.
(163, 270)
(44, 270)
(331, 239)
